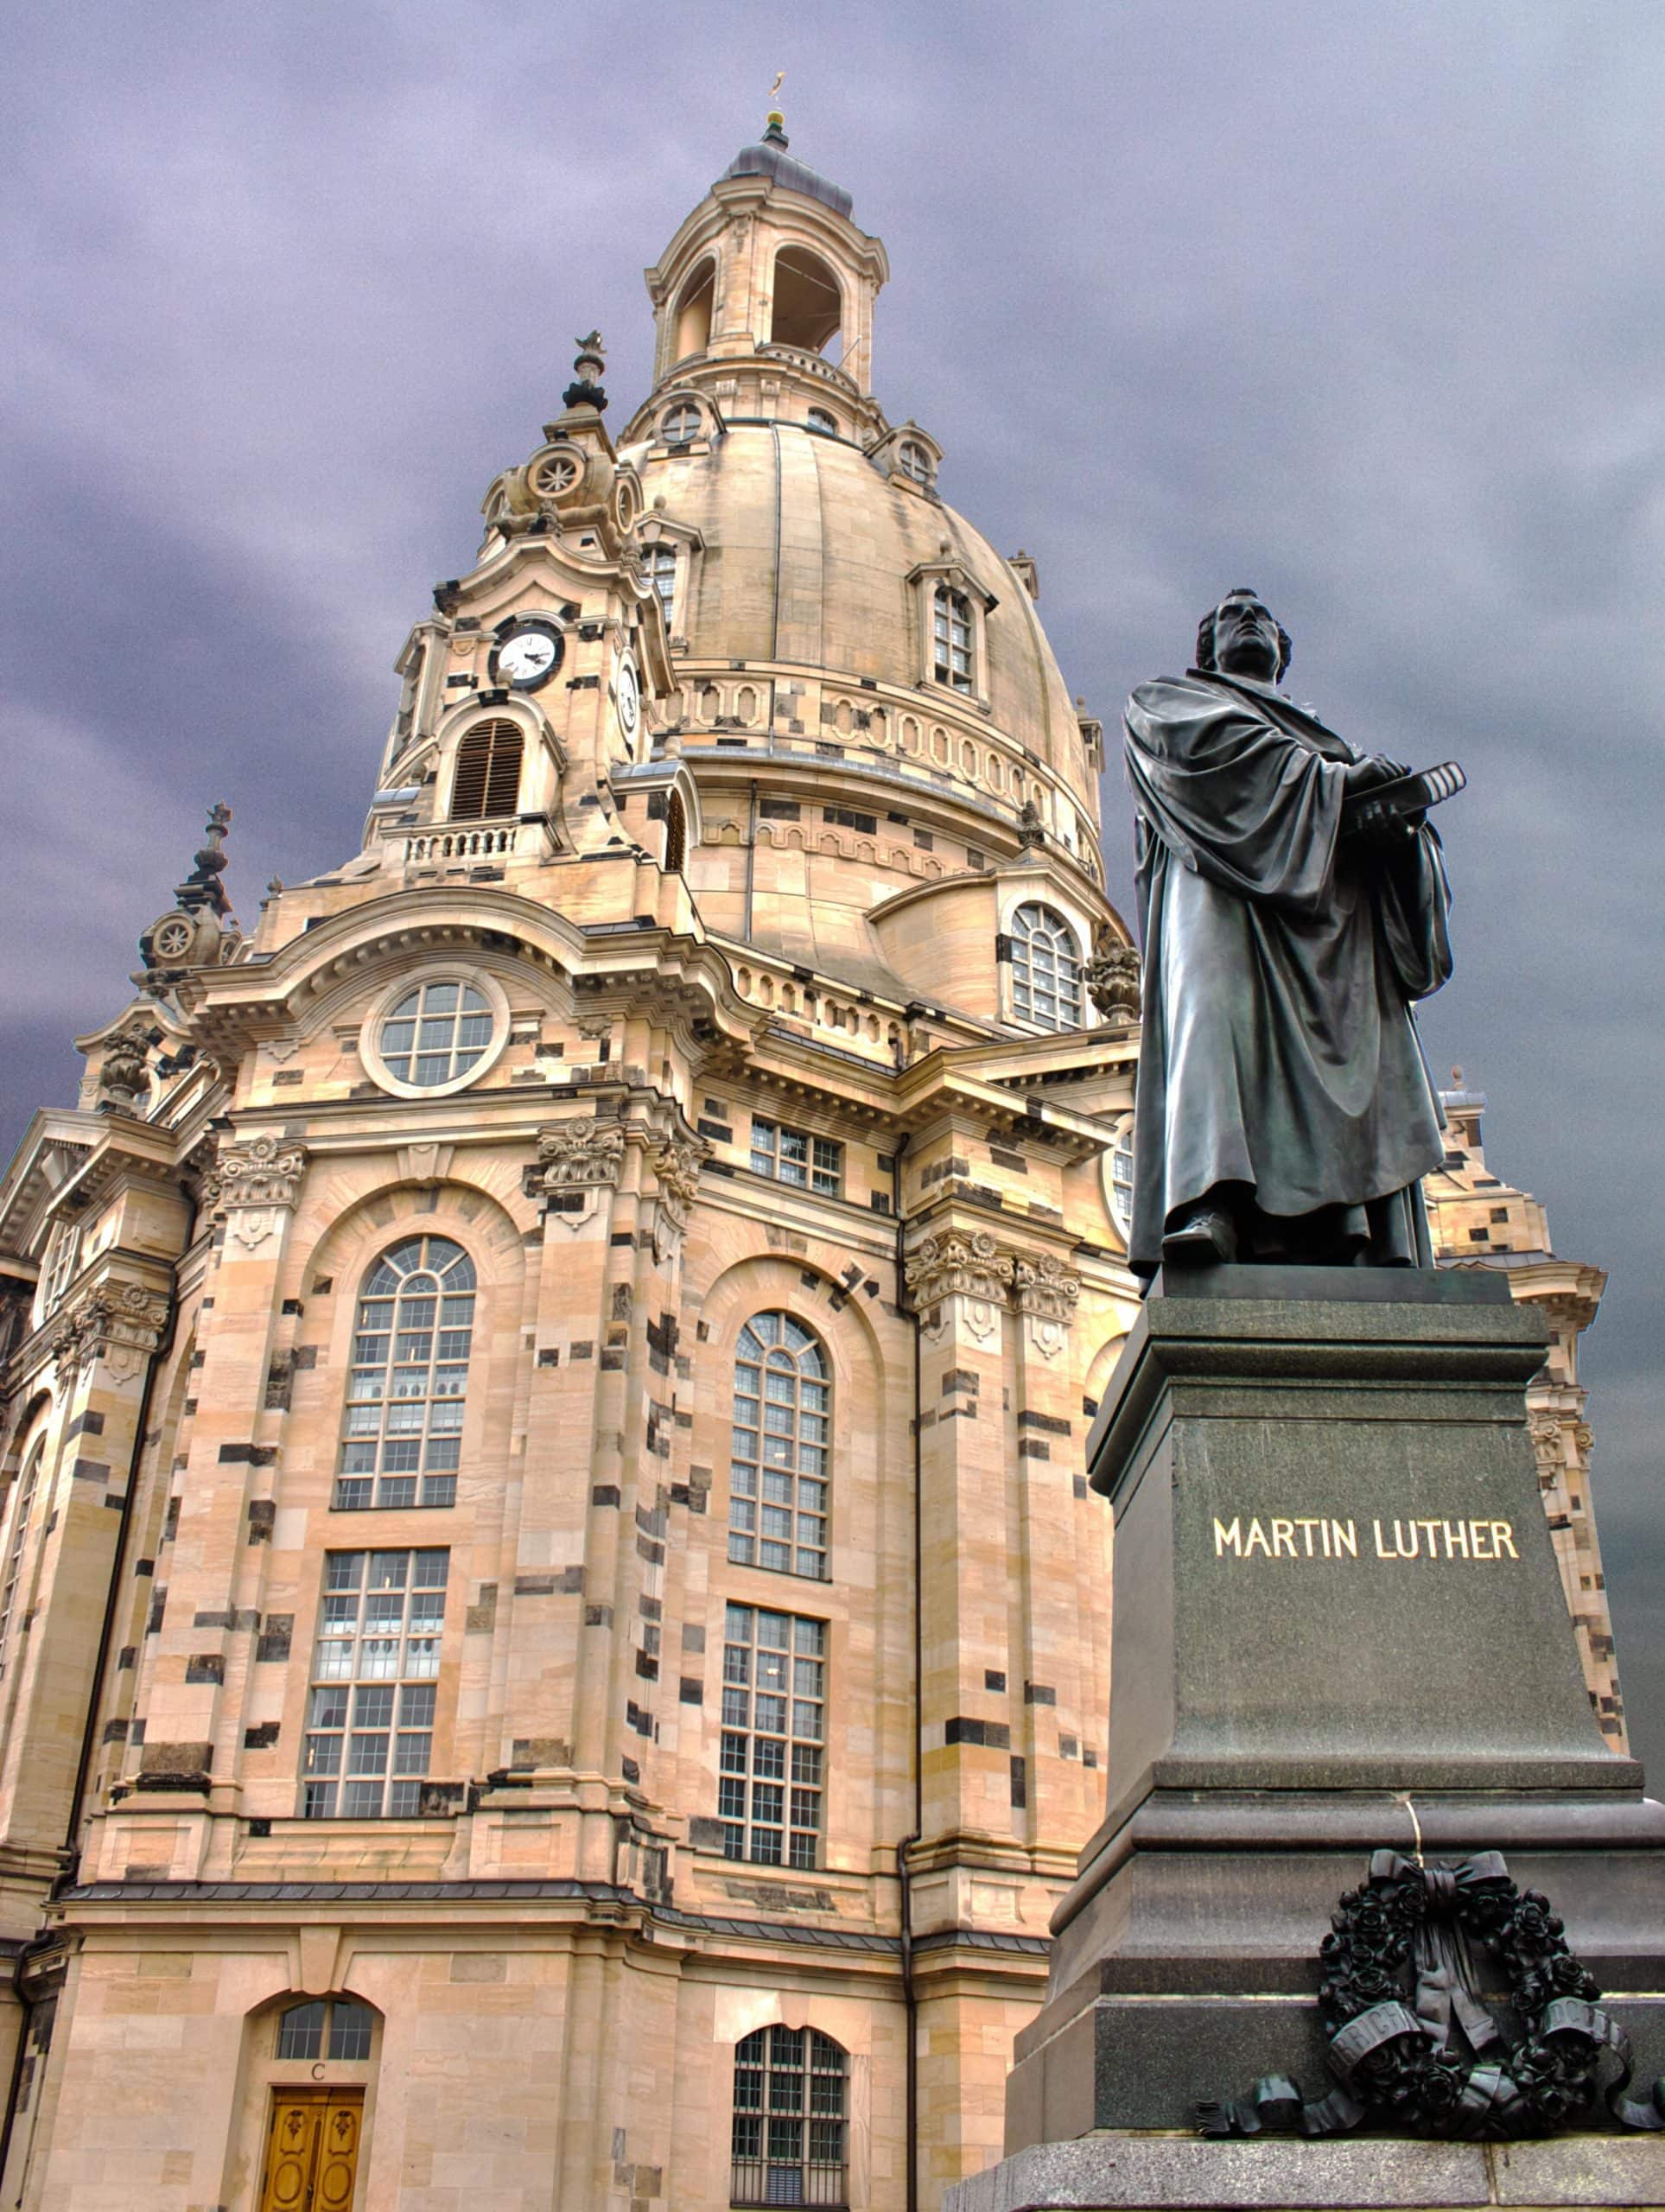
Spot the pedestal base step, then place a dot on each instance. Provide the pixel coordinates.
(1097, 2172)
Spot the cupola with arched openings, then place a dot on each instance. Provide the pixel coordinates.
(770, 264)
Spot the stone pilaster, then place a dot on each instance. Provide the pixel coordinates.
(196, 1616)
(958, 1281)
(1058, 1731)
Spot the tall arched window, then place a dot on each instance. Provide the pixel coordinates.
(1118, 1182)
(409, 1369)
(1045, 969)
(792, 2110)
(676, 834)
(951, 630)
(488, 781)
(779, 1463)
(22, 1506)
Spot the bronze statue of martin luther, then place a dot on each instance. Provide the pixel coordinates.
(1294, 906)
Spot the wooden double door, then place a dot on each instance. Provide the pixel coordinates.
(312, 2151)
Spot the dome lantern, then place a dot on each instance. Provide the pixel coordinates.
(769, 267)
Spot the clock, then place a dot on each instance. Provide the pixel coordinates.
(628, 692)
(528, 655)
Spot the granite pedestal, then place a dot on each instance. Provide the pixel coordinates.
(1339, 1627)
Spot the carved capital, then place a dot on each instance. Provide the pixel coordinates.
(119, 1323)
(263, 1172)
(1045, 1287)
(259, 1181)
(956, 1266)
(1045, 1292)
(579, 1155)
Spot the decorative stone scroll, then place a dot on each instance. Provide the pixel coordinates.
(676, 1165)
(260, 1180)
(580, 1155)
(1045, 1292)
(973, 1268)
(120, 1324)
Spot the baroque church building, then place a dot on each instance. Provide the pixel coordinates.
(554, 1645)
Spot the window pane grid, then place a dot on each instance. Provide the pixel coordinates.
(1045, 969)
(771, 1757)
(369, 1712)
(402, 1433)
(659, 569)
(794, 1156)
(951, 628)
(789, 2130)
(436, 1034)
(779, 1455)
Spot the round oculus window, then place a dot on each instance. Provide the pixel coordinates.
(435, 1032)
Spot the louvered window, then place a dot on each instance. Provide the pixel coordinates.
(676, 835)
(488, 781)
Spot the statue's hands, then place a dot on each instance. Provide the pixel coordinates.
(1374, 768)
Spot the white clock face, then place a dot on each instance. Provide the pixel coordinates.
(630, 698)
(526, 657)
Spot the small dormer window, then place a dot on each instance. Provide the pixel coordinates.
(914, 461)
(952, 636)
(820, 420)
(680, 425)
(659, 569)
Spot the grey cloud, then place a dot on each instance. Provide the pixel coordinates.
(1358, 305)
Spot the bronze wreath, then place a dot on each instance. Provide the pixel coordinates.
(1411, 2044)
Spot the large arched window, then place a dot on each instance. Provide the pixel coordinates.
(23, 1505)
(410, 1349)
(792, 2110)
(1045, 969)
(488, 780)
(779, 1463)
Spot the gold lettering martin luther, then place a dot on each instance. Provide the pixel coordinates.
(1312, 1535)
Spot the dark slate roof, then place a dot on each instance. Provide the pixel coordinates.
(765, 160)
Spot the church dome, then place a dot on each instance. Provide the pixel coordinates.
(819, 555)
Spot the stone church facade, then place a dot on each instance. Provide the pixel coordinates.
(554, 1645)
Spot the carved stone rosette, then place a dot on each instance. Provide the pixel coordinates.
(580, 1155)
(120, 1324)
(260, 1180)
(973, 1268)
(1045, 1292)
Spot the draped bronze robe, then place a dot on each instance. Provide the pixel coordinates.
(1279, 1052)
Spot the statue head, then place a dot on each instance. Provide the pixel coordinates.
(1240, 637)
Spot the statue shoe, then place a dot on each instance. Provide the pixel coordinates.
(1203, 1237)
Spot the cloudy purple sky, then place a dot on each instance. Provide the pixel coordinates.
(1360, 305)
